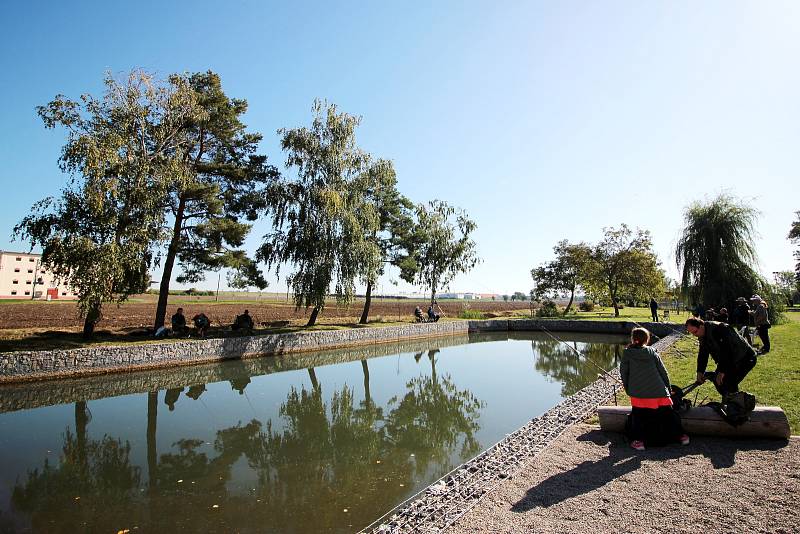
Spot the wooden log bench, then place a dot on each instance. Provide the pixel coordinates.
(765, 422)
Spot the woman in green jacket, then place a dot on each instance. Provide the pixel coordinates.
(647, 384)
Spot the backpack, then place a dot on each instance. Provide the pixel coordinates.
(735, 408)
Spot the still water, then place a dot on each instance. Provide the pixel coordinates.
(322, 442)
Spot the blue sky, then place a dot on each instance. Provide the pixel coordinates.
(543, 120)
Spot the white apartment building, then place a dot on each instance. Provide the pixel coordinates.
(23, 277)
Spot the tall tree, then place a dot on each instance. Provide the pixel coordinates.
(794, 237)
(623, 265)
(98, 237)
(562, 274)
(222, 186)
(443, 247)
(394, 235)
(716, 251)
(322, 221)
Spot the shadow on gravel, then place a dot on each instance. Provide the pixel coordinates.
(621, 460)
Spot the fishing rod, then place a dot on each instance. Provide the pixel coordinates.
(576, 351)
(675, 330)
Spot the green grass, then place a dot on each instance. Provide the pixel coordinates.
(775, 380)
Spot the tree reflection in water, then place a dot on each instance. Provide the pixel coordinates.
(89, 488)
(560, 362)
(322, 456)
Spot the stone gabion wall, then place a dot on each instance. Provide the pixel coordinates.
(27, 395)
(16, 366)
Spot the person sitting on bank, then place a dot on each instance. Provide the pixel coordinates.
(243, 322)
(201, 324)
(653, 420)
(179, 322)
(761, 321)
(432, 315)
(418, 314)
(733, 355)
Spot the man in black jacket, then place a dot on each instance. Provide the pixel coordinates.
(733, 355)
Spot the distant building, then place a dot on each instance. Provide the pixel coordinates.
(460, 296)
(22, 277)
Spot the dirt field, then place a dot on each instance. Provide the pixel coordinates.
(141, 314)
(27, 325)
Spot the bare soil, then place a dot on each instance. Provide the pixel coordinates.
(28, 325)
(589, 481)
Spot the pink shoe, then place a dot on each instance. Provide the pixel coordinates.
(684, 439)
(638, 445)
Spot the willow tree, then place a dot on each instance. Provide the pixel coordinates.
(716, 251)
(442, 246)
(321, 218)
(395, 229)
(99, 236)
(222, 186)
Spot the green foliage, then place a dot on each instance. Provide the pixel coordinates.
(468, 313)
(222, 186)
(323, 222)
(623, 266)
(785, 286)
(442, 246)
(547, 309)
(99, 237)
(715, 252)
(586, 306)
(794, 237)
(563, 274)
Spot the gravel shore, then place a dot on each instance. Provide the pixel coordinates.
(589, 481)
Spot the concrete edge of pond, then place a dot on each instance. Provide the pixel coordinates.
(446, 500)
(70, 363)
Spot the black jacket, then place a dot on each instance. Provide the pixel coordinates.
(728, 349)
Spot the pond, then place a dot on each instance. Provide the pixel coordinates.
(318, 442)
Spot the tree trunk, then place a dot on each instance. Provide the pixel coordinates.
(367, 396)
(81, 421)
(569, 304)
(367, 302)
(433, 295)
(169, 263)
(313, 319)
(312, 374)
(92, 318)
(152, 419)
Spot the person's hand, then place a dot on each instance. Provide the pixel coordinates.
(701, 377)
(720, 377)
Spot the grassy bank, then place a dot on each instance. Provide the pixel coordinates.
(775, 380)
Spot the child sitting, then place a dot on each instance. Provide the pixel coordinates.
(646, 382)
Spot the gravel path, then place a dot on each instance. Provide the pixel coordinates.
(589, 481)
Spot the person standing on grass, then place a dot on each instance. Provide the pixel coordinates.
(733, 355)
(654, 309)
(653, 421)
(761, 321)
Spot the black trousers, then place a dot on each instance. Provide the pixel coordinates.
(731, 380)
(763, 333)
(654, 312)
(658, 426)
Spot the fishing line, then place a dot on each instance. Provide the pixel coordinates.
(570, 347)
